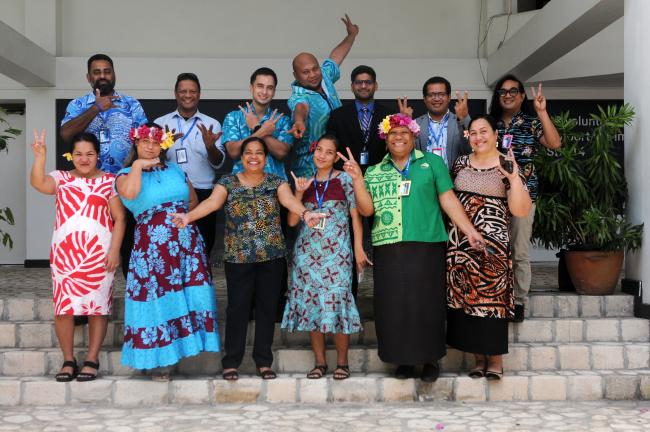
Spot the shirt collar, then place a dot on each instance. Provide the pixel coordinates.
(178, 115)
(266, 113)
(358, 104)
(438, 121)
(415, 155)
(91, 96)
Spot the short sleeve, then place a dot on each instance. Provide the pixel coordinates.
(330, 69)
(536, 129)
(57, 176)
(282, 131)
(138, 116)
(459, 164)
(231, 128)
(226, 181)
(113, 189)
(73, 110)
(365, 179)
(346, 182)
(123, 171)
(441, 176)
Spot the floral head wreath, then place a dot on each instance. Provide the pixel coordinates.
(396, 120)
(312, 146)
(166, 139)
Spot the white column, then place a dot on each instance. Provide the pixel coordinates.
(637, 136)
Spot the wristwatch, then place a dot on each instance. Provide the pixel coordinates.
(258, 127)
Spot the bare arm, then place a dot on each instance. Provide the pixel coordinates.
(194, 200)
(454, 209)
(300, 113)
(519, 201)
(80, 123)
(289, 201)
(117, 235)
(365, 207)
(340, 52)
(214, 202)
(551, 138)
(301, 185)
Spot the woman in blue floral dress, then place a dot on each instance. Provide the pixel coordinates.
(320, 297)
(170, 306)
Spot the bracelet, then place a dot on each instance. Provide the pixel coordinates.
(99, 108)
(258, 127)
(302, 216)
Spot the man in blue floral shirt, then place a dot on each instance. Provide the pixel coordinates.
(313, 97)
(105, 113)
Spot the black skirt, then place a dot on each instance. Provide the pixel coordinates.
(478, 335)
(410, 302)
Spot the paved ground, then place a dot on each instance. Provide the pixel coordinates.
(530, 416)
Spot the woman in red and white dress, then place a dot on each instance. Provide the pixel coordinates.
(85, 247)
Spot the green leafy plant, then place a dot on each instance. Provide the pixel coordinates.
(581, 202)
(6, 216)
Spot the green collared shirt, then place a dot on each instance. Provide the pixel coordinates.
(415, 217)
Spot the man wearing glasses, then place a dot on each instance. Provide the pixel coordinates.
(441, 131)
(356, 124)
(522, 130)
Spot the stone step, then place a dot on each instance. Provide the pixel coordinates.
(522, 357)
(41, 334)
(541, 305)
(360, 388)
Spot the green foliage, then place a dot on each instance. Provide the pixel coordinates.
(581, 203)
(5, 213)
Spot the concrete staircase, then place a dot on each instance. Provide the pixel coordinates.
(569, 348)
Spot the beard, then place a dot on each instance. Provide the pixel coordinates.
(105, 87)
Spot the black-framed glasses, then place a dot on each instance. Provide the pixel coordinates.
(511, 91)
(362, 82)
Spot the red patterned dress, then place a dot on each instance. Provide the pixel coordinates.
(81, 239)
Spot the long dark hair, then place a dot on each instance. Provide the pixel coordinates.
(496, 110)
(133, 153)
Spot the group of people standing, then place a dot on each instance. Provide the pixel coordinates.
(449, 200)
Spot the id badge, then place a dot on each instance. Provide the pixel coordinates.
(405, 188)
(437, 151)
(364, 158)
(507, 141)
(181, 156)
(104, 136)
(321, 223)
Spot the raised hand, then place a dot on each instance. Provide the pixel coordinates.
(313, 218)
(539, 100)
(146, 163)
(461, 108)
(268, 127)
(350, 165)
(515, 168)
(38, 146)
(298, 129)
(104, 103)
(301, 183)
(175, 135)
(180, 220)
(251, 118)
(209, 137)
(352, 29)
(402, 105)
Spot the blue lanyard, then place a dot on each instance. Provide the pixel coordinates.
(180, 129)
(405, 172)
(320, 199)
(433, 137)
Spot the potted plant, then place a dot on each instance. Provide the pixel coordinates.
(582, 199)
(6, 216)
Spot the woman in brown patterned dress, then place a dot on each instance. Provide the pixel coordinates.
(479, 283)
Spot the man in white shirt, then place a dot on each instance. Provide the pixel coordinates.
(198, 149)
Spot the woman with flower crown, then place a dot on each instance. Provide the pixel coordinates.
(408, 191)
(170, 306)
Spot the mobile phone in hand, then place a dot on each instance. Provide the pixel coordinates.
(506, 164)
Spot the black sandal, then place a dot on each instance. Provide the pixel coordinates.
(267, 374)
(84, 376)
(493, 375)
(341, 372)
(317, 372)
(231, 375)
(477, 372)
(65, 376)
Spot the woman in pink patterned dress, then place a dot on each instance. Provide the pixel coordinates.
(85, 247)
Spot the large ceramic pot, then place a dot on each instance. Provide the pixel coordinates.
(594, 272)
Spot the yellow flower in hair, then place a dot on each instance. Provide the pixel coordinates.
(384, 126)
(67, 156)
(167, 141)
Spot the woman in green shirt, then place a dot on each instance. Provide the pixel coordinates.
(406, 192)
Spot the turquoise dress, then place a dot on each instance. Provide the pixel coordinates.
(170, 305)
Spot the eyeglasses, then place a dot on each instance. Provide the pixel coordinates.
(362, 82)
(511, 91)
(437, 95)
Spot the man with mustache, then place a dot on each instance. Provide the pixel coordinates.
(107, 114)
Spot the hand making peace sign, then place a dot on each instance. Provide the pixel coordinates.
(38, 146)
(351, 166)
(402, 105)
(461, 108)
(539, 100)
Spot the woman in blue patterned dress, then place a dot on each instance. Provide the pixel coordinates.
(320, 297)
(170, 306)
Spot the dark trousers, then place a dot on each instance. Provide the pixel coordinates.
(261, 283)
(127, 243)
(208, 224)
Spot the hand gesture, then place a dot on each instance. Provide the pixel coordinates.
(268, 127)
(112, 260)
(515, 168)
(350, 165)
(402, 104)
(301, 183)
(146, 163)
(180, 220)
(352, 29)
(461, 108)
(251, 118)
(298, 129)
(539, 100)
(361, 259)
(38, 146)
(313, 218)
(175, 135)
(104, 103)
(476, 240)
(209, 137)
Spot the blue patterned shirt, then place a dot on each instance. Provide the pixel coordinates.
(236, 129)
(320, 107)
(119, 121)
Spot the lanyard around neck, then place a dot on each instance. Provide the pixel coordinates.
(321, 198)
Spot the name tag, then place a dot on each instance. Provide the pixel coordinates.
(321, 224)
(507, 141)
(437, 151)
(364, 158)
(405, 188)
(181, 156)
(104, 136)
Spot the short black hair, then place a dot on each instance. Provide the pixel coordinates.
(99, 57)
(187, 76)
(264, 71)
(436, 80)
(496, 110)
(87, 137)
(361, 69)
(488, 118)
(252, 139)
